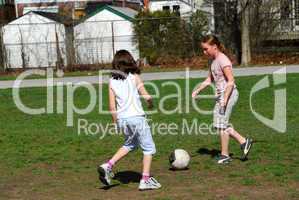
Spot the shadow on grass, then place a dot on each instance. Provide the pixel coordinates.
(213, 152)
(124, 177)
(107, 187)
(174, 170)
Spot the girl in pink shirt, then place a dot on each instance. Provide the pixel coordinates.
(221, 75)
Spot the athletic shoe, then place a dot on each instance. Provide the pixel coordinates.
(105, 174)
(223, 159)
(150, 184)
(245, 147)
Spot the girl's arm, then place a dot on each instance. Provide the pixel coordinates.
(112, 105)
(203, 85)
(228, 73)
(142, 91)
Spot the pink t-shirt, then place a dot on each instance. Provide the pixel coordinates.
(217, 67)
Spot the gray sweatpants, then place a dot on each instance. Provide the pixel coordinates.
(222, 121)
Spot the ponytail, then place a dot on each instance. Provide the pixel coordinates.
(213, 40)
(222, 48)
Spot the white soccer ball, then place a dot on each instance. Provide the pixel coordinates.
(179, 159)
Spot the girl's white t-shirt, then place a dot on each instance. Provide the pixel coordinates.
(128, 101)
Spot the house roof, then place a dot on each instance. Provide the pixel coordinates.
(56, 17)
(53, 17)
(15, 21)
(124, 12)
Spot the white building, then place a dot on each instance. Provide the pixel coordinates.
(33, 40)
(289, 20)
(102, 33)
(285, 12)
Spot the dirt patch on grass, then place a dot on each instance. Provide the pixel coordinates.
(52, 183)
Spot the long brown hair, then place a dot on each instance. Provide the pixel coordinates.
(123, 63)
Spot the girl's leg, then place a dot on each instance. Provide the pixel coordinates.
(224, 137)
(122, 152)
(147, 161)
(234, 134)
(105, 170)
(148, 182)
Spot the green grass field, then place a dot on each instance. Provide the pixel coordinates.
(42, 158)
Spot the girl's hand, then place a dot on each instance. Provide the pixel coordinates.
(116, 127)
(149, 101)
(194, 93)
(150, 104)
(222, 110)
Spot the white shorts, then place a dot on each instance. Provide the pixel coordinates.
(137, 133)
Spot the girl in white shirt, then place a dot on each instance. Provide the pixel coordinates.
(125, 89)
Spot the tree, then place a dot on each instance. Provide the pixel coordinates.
(66, 12)
(2, 50)
(244, 24)
(198, 28)
(227, 24)
(245, 32)
(69, 45)
(164, 35)
(265, 19)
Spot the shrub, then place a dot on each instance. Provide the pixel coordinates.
(162, 35)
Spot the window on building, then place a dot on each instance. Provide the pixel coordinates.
(79, 5)
(166, 8)
(285, 9)
(176, 8)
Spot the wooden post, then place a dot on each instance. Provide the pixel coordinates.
(112, 30)
(69, 45)
(2, 50)
(245, 33)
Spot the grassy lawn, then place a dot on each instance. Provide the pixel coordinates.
(42, 158)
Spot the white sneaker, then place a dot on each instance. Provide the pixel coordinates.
(105, 174)
(150, 184)
(223, 159)
(245, 147)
